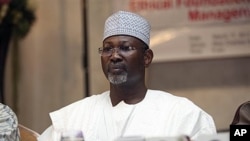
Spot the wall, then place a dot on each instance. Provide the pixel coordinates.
(98, 12)
(50, 64)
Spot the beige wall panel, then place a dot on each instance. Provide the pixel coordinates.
(50, 63)
(98, 11)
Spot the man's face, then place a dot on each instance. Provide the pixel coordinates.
(125, 62)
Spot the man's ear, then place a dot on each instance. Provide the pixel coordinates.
(148, 57)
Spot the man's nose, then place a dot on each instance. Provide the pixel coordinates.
(115, 51)
(115, 54)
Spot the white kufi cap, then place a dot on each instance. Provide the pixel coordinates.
(127, 23)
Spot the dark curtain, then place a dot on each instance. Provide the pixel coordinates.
(5, 38)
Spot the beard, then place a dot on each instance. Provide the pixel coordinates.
(117, 78)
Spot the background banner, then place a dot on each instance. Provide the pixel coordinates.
(194, 29)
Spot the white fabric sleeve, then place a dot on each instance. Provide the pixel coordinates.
(49, 135)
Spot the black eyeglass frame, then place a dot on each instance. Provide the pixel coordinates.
(121, 49)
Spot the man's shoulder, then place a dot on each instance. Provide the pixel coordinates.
(166, 99)
(182, 107)
(80, 110)
(87, 101)
(81, 105)
(159, 94)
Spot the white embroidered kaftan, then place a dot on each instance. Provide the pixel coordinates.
(158, 114)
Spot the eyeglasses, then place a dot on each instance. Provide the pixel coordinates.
(124, 50)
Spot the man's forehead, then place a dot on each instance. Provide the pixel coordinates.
(121, 39)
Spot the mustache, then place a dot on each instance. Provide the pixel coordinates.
(117, 66)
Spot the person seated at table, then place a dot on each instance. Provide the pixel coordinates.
(129, 108)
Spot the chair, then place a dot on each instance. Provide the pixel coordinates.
(27, 134)
(242, 114)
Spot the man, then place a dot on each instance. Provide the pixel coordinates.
(129, 108)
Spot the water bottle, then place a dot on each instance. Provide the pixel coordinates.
(72, 135)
